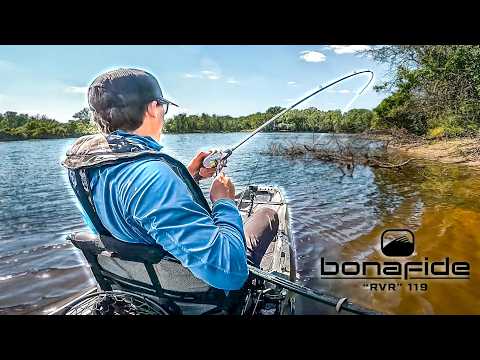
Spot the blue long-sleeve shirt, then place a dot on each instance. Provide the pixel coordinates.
(146, 202)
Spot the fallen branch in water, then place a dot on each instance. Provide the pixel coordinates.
(391, 166)
(346, 155)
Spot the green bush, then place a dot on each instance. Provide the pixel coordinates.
(435, 89)
(15, 126)
(447, 126)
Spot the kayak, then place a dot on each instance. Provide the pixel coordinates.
(141, 279)
(259, 298)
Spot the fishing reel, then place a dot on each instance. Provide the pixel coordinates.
(217, 159)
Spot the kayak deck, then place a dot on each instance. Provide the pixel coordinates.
(279, 257)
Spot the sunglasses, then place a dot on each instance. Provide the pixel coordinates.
(165, 104)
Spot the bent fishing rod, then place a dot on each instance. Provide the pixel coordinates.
(218, 158)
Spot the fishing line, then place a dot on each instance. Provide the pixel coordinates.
(218, 158)
(357, 95)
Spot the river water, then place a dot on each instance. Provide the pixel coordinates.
(337, 217)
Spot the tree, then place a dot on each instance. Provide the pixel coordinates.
(431, 86)
(83, 115)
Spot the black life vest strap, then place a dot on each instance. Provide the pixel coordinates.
(81, 186)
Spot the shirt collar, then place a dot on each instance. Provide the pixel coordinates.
(144, 140)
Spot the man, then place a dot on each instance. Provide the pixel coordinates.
(152, 199)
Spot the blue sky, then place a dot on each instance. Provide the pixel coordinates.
(234, 80)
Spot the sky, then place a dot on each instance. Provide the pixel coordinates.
(225, 80)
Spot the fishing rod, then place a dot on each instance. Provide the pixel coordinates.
(339, 303)
(218, 158)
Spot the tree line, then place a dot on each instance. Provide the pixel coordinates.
(311, 119)
(14, 126)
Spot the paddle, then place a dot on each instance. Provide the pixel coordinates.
(339, 303)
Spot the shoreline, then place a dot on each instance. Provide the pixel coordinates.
(465, 151)
(49, 138)
(165, 133)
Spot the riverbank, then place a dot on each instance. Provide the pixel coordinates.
(4, 140)
(464, 151)
(74, 136)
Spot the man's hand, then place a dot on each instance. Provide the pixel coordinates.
(195, 167)
(222, 188)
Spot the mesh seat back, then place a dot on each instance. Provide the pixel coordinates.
(129, 262)
(171, 275)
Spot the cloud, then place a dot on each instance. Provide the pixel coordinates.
(312, 56)
(348, 49)
(76, 89)
(210, 75)
(190, 76)
(232, 81)
(291, 83)
(204, 74)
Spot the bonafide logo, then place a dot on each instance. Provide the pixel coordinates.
(396, 243)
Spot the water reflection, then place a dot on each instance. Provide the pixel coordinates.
(440, 203)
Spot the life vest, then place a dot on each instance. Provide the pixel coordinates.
(94, 151)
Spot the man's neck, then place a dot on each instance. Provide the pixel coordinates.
(143, 132)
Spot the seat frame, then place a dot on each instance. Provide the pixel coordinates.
(94, 245)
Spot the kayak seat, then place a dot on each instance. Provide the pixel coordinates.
(151, 271)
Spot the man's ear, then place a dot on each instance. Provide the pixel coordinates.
(152, 109)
